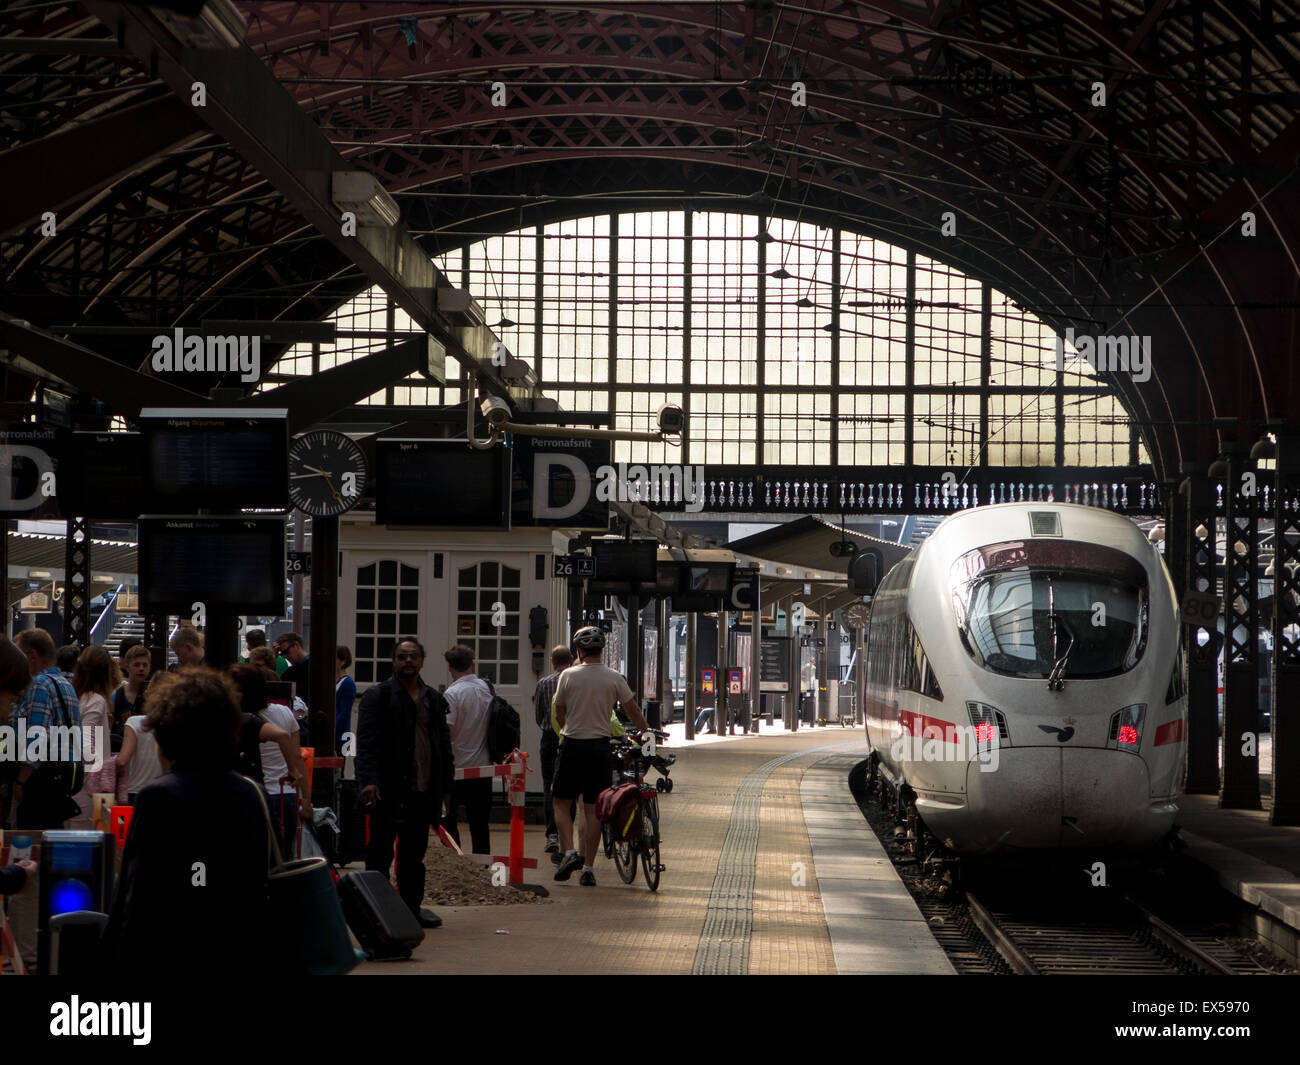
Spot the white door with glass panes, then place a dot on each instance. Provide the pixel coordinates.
(487, 615)
(385, 594)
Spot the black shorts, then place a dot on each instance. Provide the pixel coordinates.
(582, 768)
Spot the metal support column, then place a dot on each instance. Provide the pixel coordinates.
(721, 692)
(1286, 632)
(635, 650)
(1241, 640)
(822, 655)
(76, 582)
(689, 709)
(796, 671)
(1196, 506)
(663, 692)
(755, 659)
(299, 544)
(322, 670)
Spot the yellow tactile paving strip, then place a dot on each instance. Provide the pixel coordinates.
(790, 934)
(617, 928)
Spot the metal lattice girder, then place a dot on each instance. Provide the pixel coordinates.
(1240, 758)
(108, 147)
(1286, 632)
(246, 105)
(1196, 504)
(76, 583)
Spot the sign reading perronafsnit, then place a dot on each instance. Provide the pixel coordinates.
(28, 485)
(555, 482)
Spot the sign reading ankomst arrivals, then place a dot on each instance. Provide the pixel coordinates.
(179, 353)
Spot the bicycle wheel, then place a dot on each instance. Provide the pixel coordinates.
(623, 854)
(650, 842)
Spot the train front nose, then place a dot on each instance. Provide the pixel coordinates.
(1047, 797)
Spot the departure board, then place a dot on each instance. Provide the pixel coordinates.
(229, 564)
(441, 484)
(221, 461)
(102, 476)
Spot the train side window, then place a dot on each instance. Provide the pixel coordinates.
(1177, 679)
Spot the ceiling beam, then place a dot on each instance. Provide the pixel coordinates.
(69, 166)
(247, 106)
(123, 391)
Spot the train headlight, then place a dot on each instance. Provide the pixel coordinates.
(1126, 728)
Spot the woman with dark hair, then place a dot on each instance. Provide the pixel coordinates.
(192, 894)
(345, 694)
(268, 751)
(94, 677)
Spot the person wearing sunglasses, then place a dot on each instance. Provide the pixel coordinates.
(404, 770)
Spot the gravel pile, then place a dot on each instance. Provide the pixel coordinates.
(454, 880)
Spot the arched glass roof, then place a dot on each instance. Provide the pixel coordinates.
(784, 341)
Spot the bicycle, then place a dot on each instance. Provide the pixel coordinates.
(630, 765)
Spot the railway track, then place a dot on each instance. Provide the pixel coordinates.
(1122, 938)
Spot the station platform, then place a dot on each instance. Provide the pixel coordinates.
(770, 868)
(1252, 859)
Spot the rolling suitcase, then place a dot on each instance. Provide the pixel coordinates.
(378, 917)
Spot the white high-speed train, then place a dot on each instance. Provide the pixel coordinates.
(1024, 686)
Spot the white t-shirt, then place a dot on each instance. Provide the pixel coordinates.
(469, 704)
(145, 767)
(274, 767)
(588, 692)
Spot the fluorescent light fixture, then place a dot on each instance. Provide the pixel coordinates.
(217, 25)
(103, 578)
(39, 574)
(359, 191)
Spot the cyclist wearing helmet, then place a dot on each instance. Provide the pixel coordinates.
(586, 693)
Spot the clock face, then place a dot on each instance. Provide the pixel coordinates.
(327, 473)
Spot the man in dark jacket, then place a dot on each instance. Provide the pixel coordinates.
(405, 771)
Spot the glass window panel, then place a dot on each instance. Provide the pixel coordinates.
(388, 572)
(387, 599)
(797, 428)
(946, 430)
(873, 429)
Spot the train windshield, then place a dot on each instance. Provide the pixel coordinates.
(1043, 621)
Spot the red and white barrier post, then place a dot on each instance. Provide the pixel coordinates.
(516, 768)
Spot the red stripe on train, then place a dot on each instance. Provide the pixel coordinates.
(1171, 732)
(927, 727)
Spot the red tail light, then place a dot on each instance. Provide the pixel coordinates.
(985, 732)
(1126, 728)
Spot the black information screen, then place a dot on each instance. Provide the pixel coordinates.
(774, 663)
(441, 484)
(218, 463)
(229, 564)
(102, 475)
(624, 567)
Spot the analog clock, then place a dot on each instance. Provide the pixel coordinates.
(327, 473)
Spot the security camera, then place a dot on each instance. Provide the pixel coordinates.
(495, 409)
(671, 419)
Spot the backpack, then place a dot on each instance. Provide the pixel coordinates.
(620, 808)
(249, 759)
(71, 775)
(503, 727)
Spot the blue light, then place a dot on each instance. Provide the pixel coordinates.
(68, 896)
